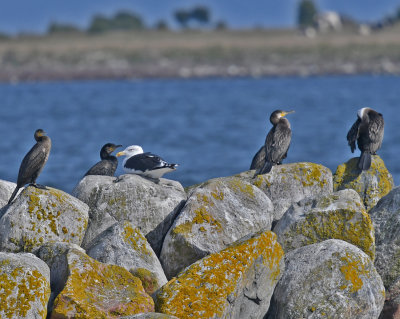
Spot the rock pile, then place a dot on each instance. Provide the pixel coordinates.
(107, 251)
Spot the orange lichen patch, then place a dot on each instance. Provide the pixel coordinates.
(19, 290)
(201, 291)
(96, 290)
(353, 271)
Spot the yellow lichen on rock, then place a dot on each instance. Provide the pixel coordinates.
(19, 290)
(135, 239)
(201, 290)
(353, 270)
(371, 185)
(96, 290)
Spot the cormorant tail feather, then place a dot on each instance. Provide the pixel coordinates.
(364, 162)
(13, 195)
(266, 168)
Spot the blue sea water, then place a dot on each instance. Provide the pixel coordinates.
(211, 127)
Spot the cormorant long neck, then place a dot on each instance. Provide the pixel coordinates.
(105, 155)
(43, 139)
(284, 121)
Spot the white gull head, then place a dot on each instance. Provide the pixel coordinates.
(131, 151)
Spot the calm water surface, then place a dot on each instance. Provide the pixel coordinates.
(211, 127)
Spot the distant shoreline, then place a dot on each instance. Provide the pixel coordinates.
(197, 54)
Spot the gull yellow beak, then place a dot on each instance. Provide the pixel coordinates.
(120, 154)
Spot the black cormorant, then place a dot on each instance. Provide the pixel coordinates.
(368, 131)
(33, 162)
(276, 144)
(146, 164)
(108, 164)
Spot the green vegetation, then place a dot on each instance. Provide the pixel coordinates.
(122, 20)
(55, 27)
(306, 13)
(199, 14)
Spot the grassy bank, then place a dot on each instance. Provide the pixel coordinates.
(195, 53)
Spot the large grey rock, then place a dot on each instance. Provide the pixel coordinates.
(124, 245)
(331, 279)
(371, 184)
(386, 220)
(150, 315)
(54, 254)
(24, 286)
(151, 207)
(340, 215)
(289, 183)
(38, 216)
(391, 308)
(235, 283)
(6, 189)
(216, 214)
(97, 290)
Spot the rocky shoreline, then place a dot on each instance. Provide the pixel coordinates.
(197, 54)
(297, 242)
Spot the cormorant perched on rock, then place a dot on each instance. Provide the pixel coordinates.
(108, 163)
(276, 144)
(368, 132)
(33, 162)
(146, 164)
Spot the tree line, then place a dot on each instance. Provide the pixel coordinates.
(196, 17)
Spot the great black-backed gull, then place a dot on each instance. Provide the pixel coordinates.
(108, 163)
(146, 164)
(33, 162)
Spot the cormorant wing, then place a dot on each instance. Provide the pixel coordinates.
(352, 135)
(104, 167)
(32, 162)
(277, 143)
(258, 159)
(144, 162)
(376, 128)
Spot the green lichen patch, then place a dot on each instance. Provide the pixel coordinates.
(24, 292)
(371, 185)
(202, 290)
(96, 290)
